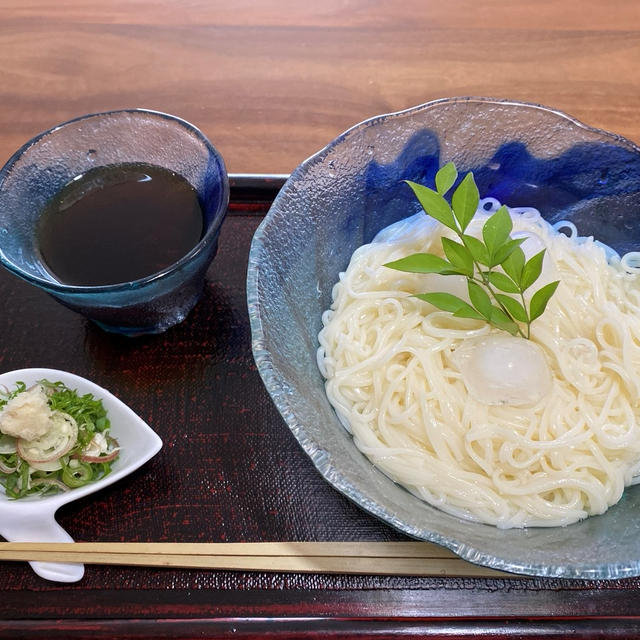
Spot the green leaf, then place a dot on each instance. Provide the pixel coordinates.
(467, 311)
(506, 250)
(444, 301)
(465, 201)
(514, 264)
(496, 230)
(451, 303)
(434, 205)
(458, 255)
(540, 298)
(500, 319)
(477, 249)
(493, 294)
(531, 271)
(420, 263)
(479, 299)
(445, 178)
(503, 282)
(515, 309)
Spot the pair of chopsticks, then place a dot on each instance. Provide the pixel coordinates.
(376, 558)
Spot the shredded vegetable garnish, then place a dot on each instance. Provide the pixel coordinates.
(52, 439)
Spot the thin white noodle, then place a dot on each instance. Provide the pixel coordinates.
(631, 262)
(393, 380)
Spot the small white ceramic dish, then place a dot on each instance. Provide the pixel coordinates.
(32, 519)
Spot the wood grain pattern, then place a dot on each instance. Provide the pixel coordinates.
(272, 82)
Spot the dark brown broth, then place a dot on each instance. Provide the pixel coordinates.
(119, 223)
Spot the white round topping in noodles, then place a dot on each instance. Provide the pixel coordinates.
(502, 369)
(487, 427)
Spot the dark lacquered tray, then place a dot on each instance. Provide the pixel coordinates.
(231, 471)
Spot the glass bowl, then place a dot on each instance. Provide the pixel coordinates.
(44, 165)
(521, 154)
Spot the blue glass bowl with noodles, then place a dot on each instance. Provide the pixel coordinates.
(522, 155)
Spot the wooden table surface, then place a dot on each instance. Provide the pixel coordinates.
(271, 83)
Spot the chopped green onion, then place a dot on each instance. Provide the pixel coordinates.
(19, 479)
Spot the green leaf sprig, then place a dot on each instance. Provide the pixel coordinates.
(497, 272)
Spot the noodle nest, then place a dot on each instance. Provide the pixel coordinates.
(392, 375)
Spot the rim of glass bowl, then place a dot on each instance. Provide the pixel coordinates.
(451, 100)
(60, 287)
(280, 397)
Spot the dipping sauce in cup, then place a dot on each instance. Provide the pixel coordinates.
(117, 215)
(118, 223)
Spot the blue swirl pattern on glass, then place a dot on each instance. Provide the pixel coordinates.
(573, 186)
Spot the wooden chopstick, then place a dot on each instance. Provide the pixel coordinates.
(338, 549)
(380, 558)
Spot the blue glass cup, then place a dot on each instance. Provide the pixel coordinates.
(48, 162)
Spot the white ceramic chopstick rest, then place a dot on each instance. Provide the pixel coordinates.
(32, 522)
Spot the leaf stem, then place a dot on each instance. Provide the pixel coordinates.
(524, 306)
(484, 280)
(487, 285)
